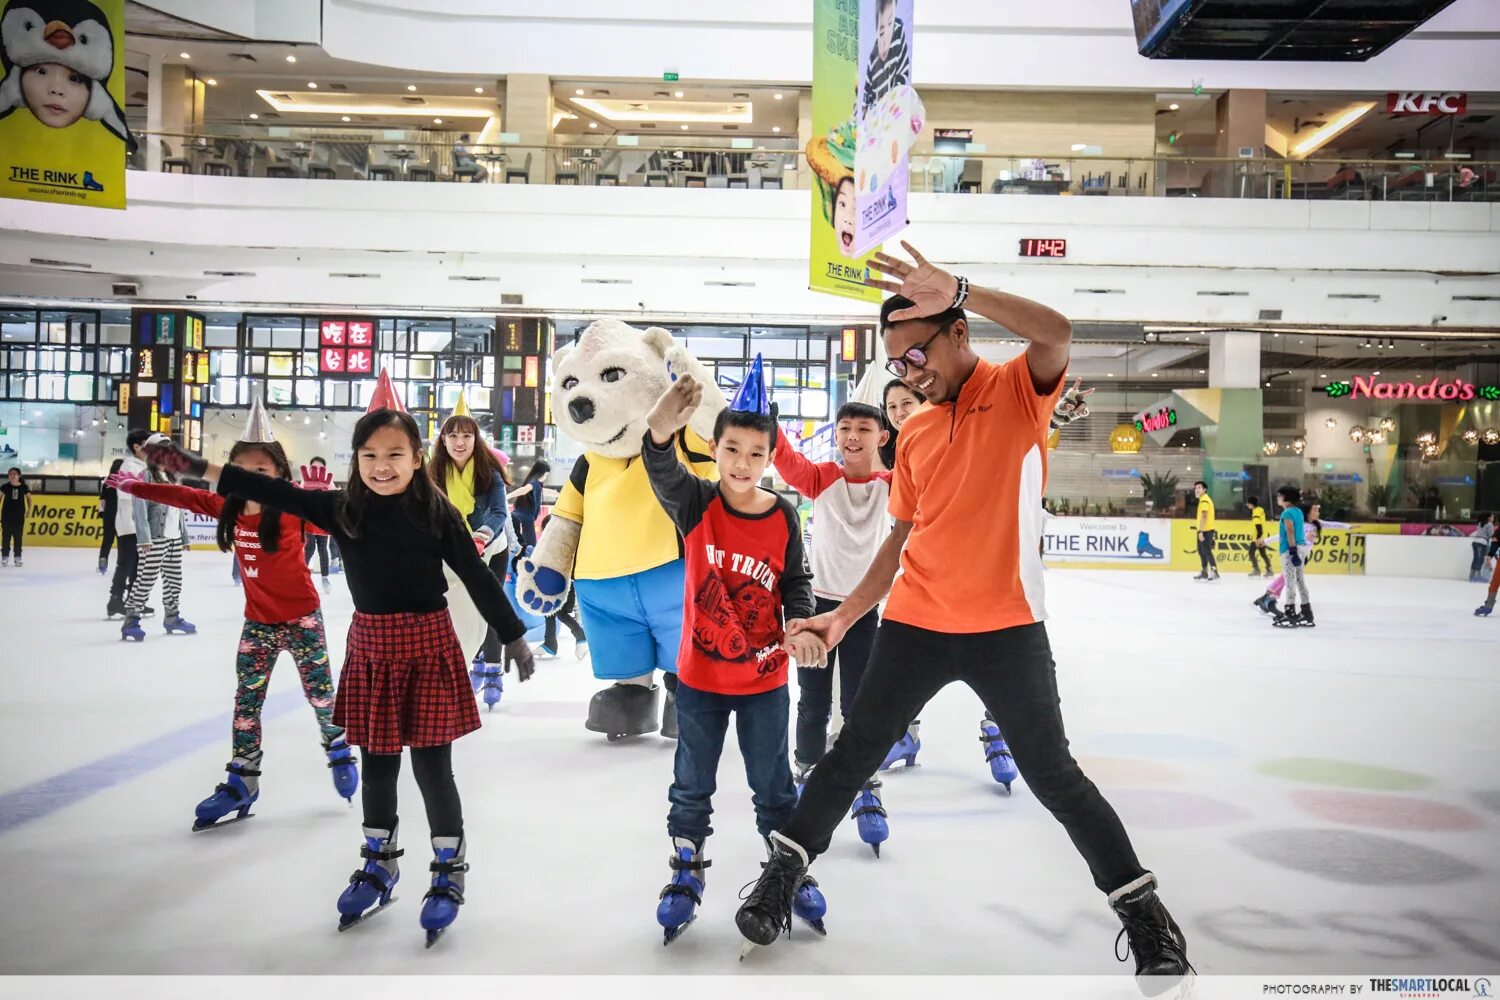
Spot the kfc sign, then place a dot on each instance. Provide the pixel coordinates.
(1419, 103)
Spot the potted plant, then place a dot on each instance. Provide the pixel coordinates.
(1160, 491)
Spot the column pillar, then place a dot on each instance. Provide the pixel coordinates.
(174, 103)
(1240, 121)
(527, 111)
(1233, 443)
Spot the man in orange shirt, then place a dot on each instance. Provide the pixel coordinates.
(968, 605)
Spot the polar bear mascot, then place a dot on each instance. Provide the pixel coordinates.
(608, 536)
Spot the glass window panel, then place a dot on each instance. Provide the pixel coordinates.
(814, 404)
(256, 364)
(279, 392)
(399, 364)
(512, 363)
(308, 393)
(220, 336)
(433, 340)
(774, 346)
(510, 379)
(80, 388)
(225, 362)
(711, 342)
(480, 399)
(816, 376)
(280, 364)
(421, 367)
(337, 394)
(287, 338)
(18, 326)
(51, 386)
(364, 391)
(116, 333)
(54, 332)
(788, 401)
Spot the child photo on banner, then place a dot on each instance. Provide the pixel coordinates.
(63, 136)
(890, 119)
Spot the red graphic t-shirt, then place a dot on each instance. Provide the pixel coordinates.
(743, 572)
(278, 586)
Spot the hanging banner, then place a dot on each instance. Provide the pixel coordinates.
(889, 120)
(833, 266)
(63, 136)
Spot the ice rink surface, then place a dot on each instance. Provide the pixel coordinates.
(1316, 801)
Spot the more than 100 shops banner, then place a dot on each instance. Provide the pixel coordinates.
(1172, 544)
(75, 522)
(865, 118)
(63, 136)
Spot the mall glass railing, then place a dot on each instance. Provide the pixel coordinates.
(776, 163)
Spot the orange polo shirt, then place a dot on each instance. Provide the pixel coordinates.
(969, 476)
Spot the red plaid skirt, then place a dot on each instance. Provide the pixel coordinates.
(404, 683)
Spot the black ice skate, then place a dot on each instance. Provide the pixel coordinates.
(1290, 618)
(1305, 619)
(1157, 942)
(767, 910)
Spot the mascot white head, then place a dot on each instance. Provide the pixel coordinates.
(606, 384)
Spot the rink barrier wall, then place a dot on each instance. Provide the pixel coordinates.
(75, 522)
(1432, 557)
(1154, 543)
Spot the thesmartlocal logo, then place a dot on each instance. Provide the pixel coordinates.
(1436, 391)
(1431, 987)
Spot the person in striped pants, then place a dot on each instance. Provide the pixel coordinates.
(159, 538)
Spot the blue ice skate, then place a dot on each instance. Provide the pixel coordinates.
(491, 684)
(1483, 611)
(236, 795)
(1144, 549)
(870, 816)
(904, 749)
(177, 623)
(809, 906)
(131, 629)
(683, 895)
(997, 751)
(476, 672)
(345, 767)
(369, 890)
(440, 905)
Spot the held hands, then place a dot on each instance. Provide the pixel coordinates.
(316, 477)
(807, 649)
(829, 629)
(482, 539)
(125, 482)
(674, 408)
(930, 287)
(160, 450)
(519, 653)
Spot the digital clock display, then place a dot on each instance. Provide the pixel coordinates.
(1044, 248)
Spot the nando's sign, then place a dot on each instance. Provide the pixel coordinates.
(1435, 391)
(1156, 420)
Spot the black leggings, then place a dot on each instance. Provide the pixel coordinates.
(493, 649)
(1261, 549)
(12, 530)
(319, 542)
(433, 767)
(1012, 672)
(564, 615)
(108, 541)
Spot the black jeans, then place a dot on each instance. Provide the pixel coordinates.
(760, 721)
(565, 614)
(319, 542)
(1013, 673)
(108, 541)
(12, 530)
(124, 576)
(433, 768)
(815, 684)
(1255, 549)
(1206, 551)
(493, 649)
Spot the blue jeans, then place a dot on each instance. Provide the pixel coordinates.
(761, 722)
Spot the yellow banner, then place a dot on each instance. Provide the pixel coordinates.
(63, 136)
(71, 522)
(1339, 550)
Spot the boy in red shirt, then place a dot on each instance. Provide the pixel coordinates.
(745, 567)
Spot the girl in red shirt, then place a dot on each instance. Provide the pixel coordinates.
(281, 613)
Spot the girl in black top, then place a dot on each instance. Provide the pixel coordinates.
(15, 504)
(404, 680)
(528, 506)
(109, 504)
(898, 402)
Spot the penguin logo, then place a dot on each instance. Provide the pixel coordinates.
(57, 57)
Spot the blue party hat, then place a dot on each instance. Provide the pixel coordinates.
(751, 397)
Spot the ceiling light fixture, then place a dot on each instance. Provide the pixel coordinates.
(254, 116)
(775, 128)
(344, 118)
(1174, 107)
(478, 90)
(684, 128)
(211, 82)
(437, 121)
(311, 85)
(593, 124)
(677, 93)
(1333, 128)
(183, 55)
(578, 92)
(411, 86)
(777, 96)
(291, 59)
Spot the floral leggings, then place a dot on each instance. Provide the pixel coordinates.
(260, 645)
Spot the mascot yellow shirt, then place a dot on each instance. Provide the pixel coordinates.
(640, 535)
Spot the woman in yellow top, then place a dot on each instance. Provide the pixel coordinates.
(467, 472)
(1208, 535)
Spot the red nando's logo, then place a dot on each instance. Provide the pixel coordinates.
(1158, 421)
(1437, 390)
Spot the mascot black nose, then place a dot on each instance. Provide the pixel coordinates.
(581, 410)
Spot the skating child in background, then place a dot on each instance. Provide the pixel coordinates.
(109, 507)
(745, 567)
(1257, 545)
(15, 504)
(125, 529)
(1484, 610)
(1312, 527)
(404, 681)
(1484, 534)
(281, 613)
(315, 476)
(158, 537)
(849, 523)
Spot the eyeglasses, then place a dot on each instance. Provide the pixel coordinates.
(914, 355)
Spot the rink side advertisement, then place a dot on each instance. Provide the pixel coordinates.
(834, 266)
(63, 136)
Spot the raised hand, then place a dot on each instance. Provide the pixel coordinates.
(316, 477)
(929, 286)
(125, 482)
(675, 407)
(160, 450)
(519, 653)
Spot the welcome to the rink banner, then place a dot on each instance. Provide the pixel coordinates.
(865, 118)
(1162, 543)
(63, 136)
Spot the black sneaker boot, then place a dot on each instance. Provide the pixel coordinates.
(1305, 619)
(1154, 938)
(767, 911)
